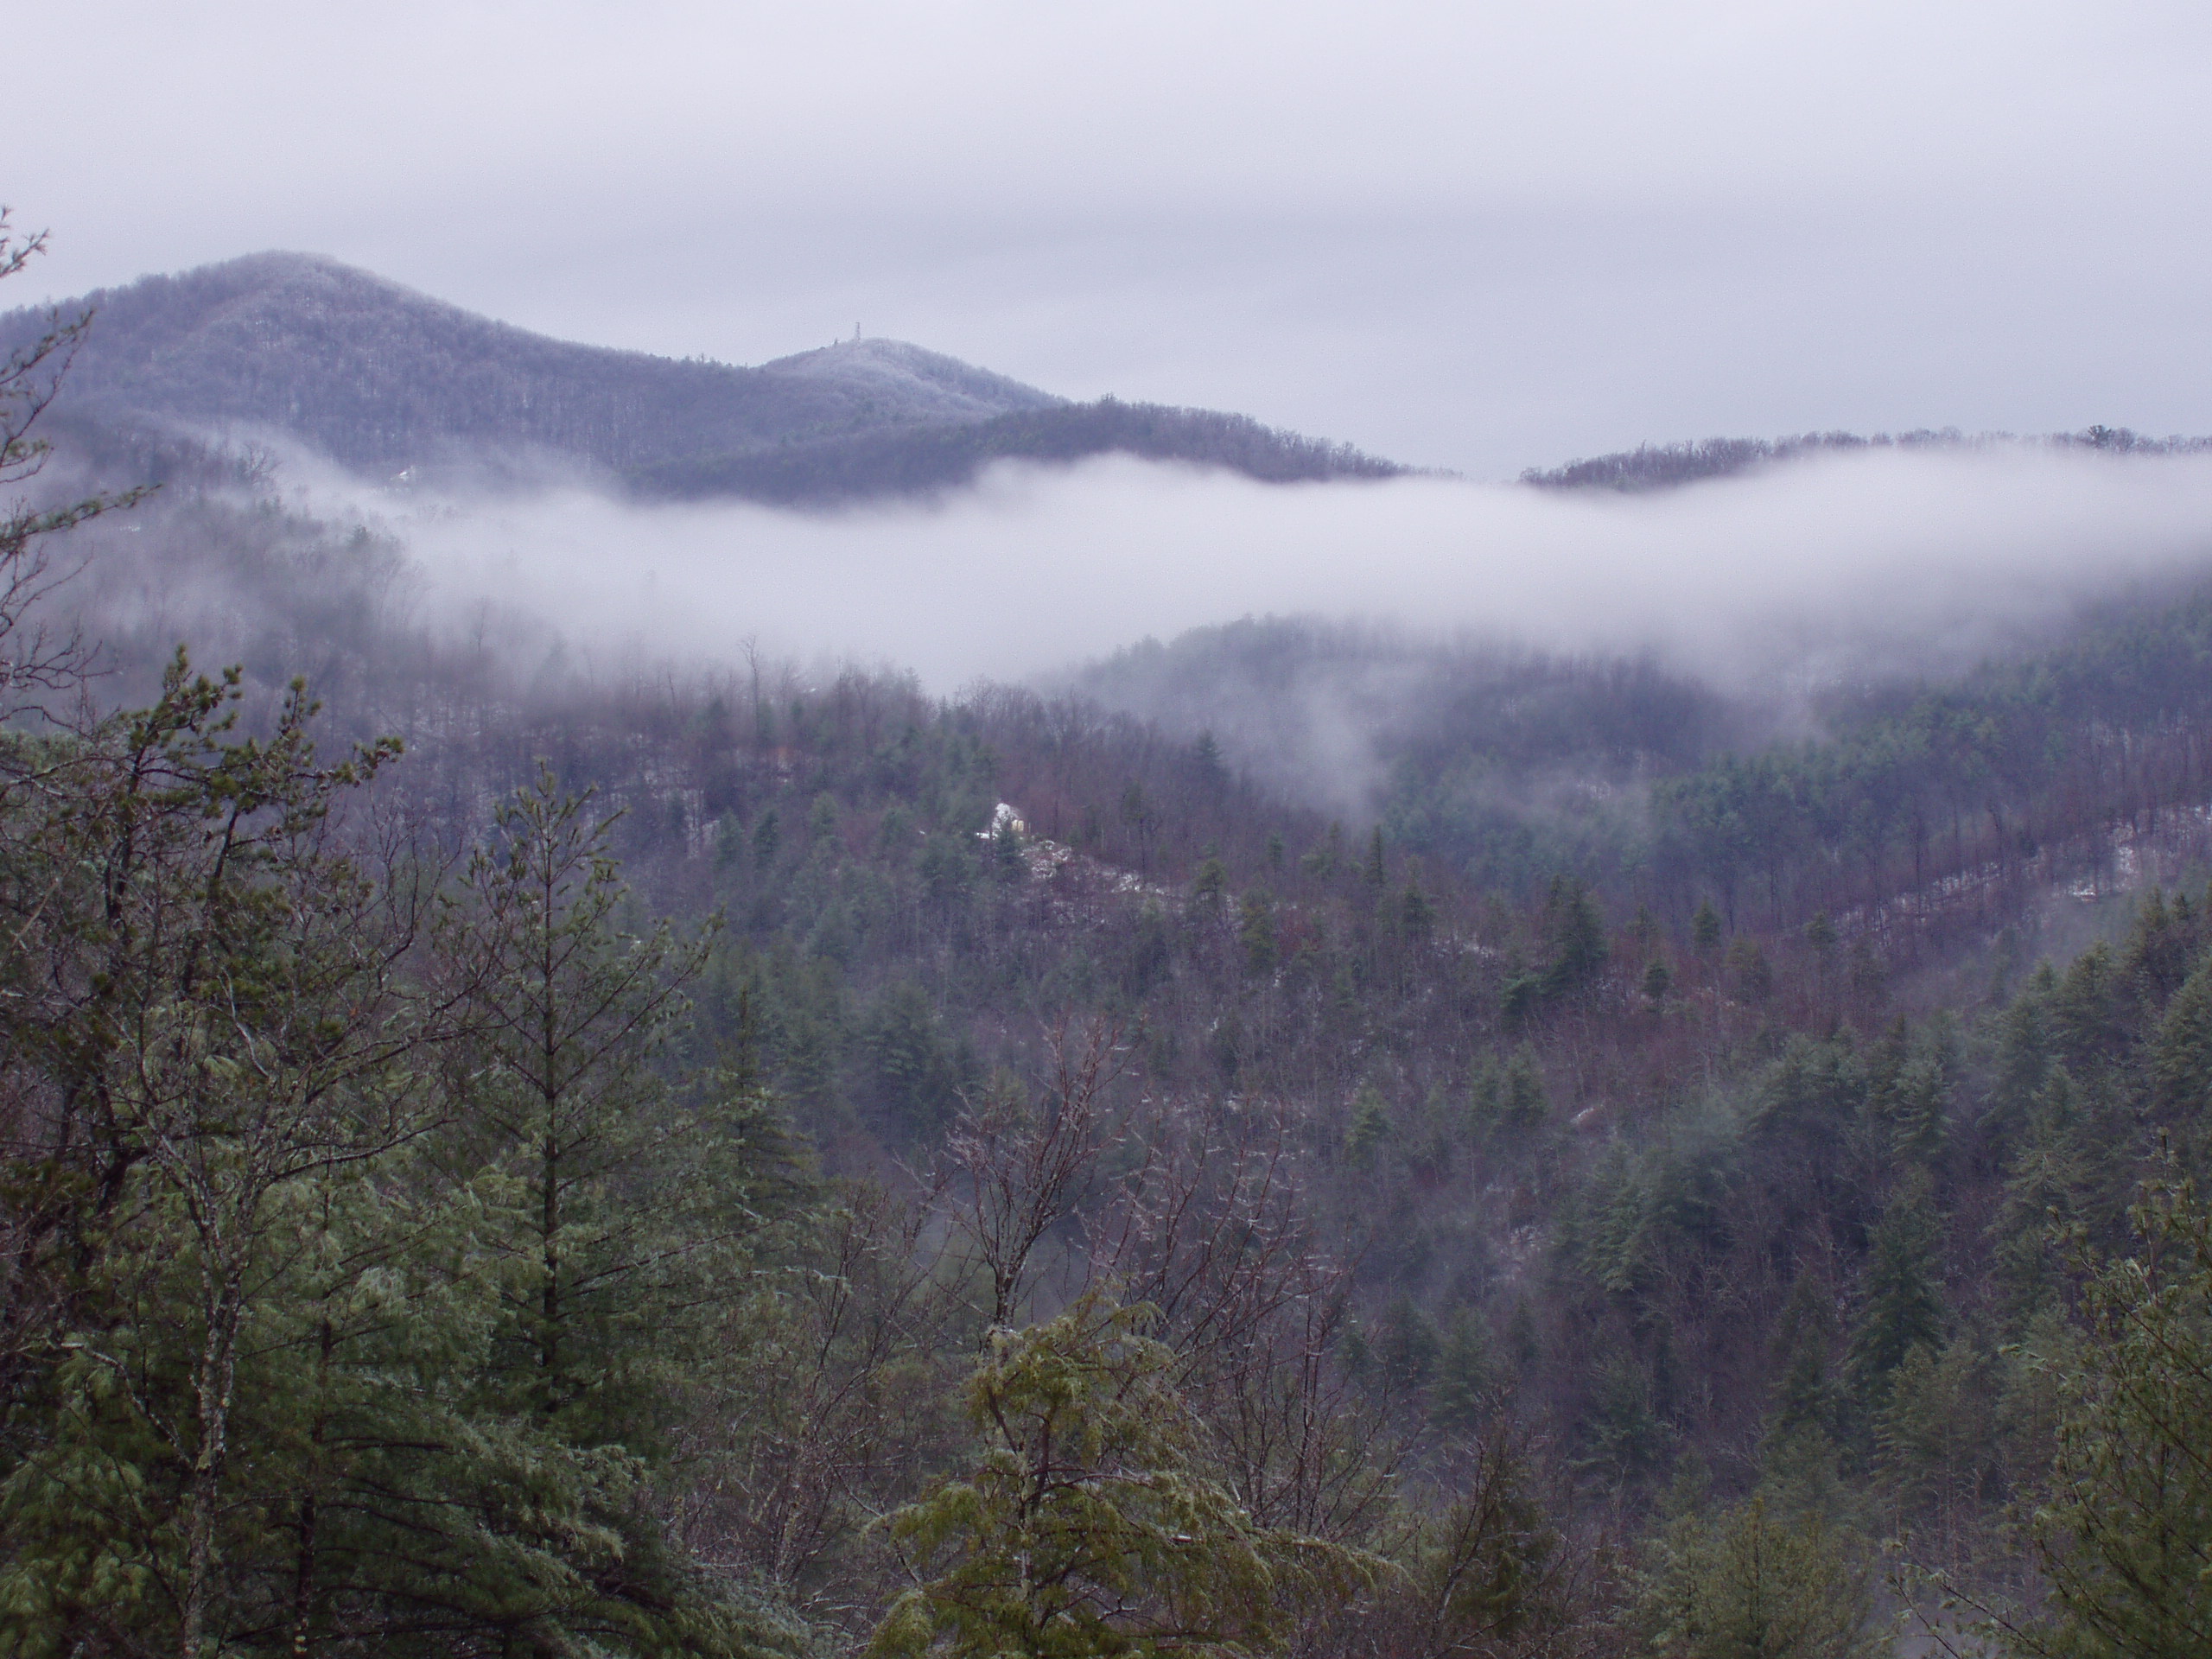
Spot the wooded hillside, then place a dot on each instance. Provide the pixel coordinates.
(1043, 1190)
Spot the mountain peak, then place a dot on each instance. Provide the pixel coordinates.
(896, 373)
(382, 378)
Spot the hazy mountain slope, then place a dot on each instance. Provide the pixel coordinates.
(379, 376)
(905, 382)
(1666, 466)
(917, 461)
(381, 379)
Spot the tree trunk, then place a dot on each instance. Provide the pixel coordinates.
(218, 1372)
(303, 1562)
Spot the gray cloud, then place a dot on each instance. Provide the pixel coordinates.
(1481, 236)
(1793, 575)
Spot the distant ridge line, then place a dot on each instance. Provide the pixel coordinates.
(1669, 466)
(385, 379)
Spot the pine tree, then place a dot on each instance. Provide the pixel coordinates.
(1903, 1307)
(2181, 1053)
(1804, 1343)
(1748, 1582)
(2044, 1184)
(1937, 1438)
(1416, 915)
(1090, 1521)
(1255, 933)
(2025, 1049)
(1461, 1397)
(620, 1194)
(1370, 1128)
(1576, 932)
(2125, 1531)
(1523, 1105)
(1208, 886)
(1748, 967)
(1705, 928)
(235, 1046)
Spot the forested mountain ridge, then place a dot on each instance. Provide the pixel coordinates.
(1053, 1193)
(1669, 466)
(382, 378)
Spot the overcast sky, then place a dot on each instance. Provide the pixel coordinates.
(1473, 235)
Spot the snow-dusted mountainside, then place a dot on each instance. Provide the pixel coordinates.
(381, 379)
(378, 375)
(892, 375)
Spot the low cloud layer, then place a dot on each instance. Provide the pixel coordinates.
(1845, 565)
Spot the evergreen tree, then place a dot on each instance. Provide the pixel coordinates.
(1804, 1343)
(1752, 975)
(2125, 1530)
(1255, 933)
(1370, 1128)
(2181, 1055)
(1461, 1392)
(226, 1045)
(620, 1193)
(2025, 1049)
(1523, 1102)
(1903, 1306)
(1417, 915)
(1576, 932)
(1749, 1582)
(2044, 1186)
(1936, 1437)
(1090, 1522)
(1705, 928)
(1208, 886)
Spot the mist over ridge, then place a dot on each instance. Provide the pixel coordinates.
(1845, 566)
(750, 913)
(606, 514)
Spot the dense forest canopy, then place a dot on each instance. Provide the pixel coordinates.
(506, 1159)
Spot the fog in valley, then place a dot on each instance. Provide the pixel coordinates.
(1772, 589)
(994, 832)
(1836, 568)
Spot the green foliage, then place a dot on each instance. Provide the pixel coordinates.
(1903, 1307)
(1805, 1341)
(1370, 1128)
(1938, 1439)
(1485, 1570)
(1509, 1097)
(1752, 1583)
(2050, 1190)
(358, 1343)
(1464, 1380)
(1208, 885)
(1574, 928)
(1416, 915)
(1750, 975)
(2181, 1054)
(919, 1068)
(1255, 933)
(1091, 1522)
(2125, 1531)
